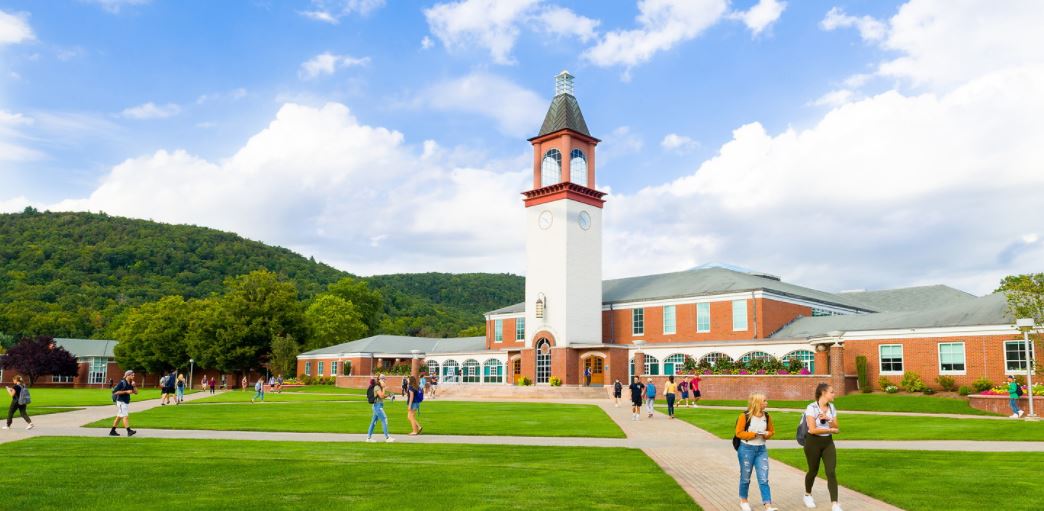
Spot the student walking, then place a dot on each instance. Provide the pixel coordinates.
(203, 384)
(669, 391)
(121, 394)
(617, 392)
(1014, 392)
(212, 384)
(243, 383)
(821, 419)
(19, 402)
(753, 427)
(650, 396)
(375, 395)
(694, 388)
(168, 387)
(259, 390)
(180, 390)
(415, 394)
(587, 376)
(637, 389)
(683, 389)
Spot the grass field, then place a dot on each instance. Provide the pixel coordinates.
(929, 480)
(101, 473)
(438, 418)
(875, 403)
(44, 396)
(878, 427)
(272, 397)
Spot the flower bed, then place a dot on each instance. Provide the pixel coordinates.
(1038, 390)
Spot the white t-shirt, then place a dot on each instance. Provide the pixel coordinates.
(813, 411)
(757, 425)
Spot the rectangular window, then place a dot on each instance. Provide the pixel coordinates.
(1015, 355)
(739, 315)
(891, 358)
(308, 368)
(320, 373)
(333, 368)
(98, 369)
(62, 379)
(498, 330)
(668, 320)
(820, 312)
(951, 357)
(703, 317)
(520, 329)
(638, 321)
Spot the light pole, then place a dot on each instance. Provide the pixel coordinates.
(1027, 324)
(192, 365)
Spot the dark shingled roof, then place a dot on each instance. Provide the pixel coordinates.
(564, 113)
(909, 298)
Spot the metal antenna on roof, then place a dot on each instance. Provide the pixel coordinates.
(563, 83)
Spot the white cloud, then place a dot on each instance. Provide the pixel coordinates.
(661, 25)
(760, 16)
(331, 11)
(834, 98)
(151, 110)
(11, 138)
(678, 143)
(114, 6)
(495, 25)
(13, 119)
(870, 29)
(13, 205)
(317, 181)
(14, 28)
(232, 95)
(327, 63)
(516, 110)
(427, 43)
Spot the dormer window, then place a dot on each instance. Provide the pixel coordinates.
(578, 167)
(551, 168)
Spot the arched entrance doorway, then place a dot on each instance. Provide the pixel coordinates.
(596, 365)
(543, 361)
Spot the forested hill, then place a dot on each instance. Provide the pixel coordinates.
(74, 274)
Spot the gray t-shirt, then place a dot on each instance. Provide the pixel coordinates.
(813, 410)
(757, 425)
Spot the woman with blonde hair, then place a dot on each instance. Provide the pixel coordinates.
(179, 390)
(753, 427)
(414, 396)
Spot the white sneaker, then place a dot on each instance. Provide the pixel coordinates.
(835, 507)
(809, 503)
(1021, 413)
(389, 440)
(369, 440)
(30, 426)
(7, 427)
(1013, 416)
(744, 506)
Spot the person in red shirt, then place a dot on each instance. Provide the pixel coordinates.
(694, 389)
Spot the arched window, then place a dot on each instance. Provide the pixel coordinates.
(492, 371)
(551, 168)
(652, 365)
(543, 361)
(807, 358)
(673, 363)
(578, 167)
(449, 371)
(755, 355)
(470, 371)
(433, 368)
(713, 358)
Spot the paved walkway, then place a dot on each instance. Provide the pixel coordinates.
(865, 412)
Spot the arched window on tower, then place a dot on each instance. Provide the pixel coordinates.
(578, 167)
(551, 168)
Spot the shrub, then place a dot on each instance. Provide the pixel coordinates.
(804, 371)
(911, 382)
(306, 379)
(964, 390)
(982, 384)
(555, 381)
(794, 365)
(947, 383)
(884, 382)
(523, 381)
(346, 368)
(1020, 379)
(891, 389)
(928, 391)
(863, 377)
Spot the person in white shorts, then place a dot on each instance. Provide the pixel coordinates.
(121, 396)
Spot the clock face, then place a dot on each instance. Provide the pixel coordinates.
(584, 220)
(545, 220)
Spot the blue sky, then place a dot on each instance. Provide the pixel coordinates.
(104, 101)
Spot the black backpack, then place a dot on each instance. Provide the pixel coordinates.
(736, 439)
(371, 396)
(1018, 390)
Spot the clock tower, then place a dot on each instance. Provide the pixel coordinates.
(563, 236)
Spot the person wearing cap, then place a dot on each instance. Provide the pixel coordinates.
(650, 396)
(121, 396)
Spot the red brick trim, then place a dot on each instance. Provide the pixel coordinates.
(564, 190)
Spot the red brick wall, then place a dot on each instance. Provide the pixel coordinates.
(565, 365)
(794, 387)
(773, 315)
(509, 341)
(999, 404)
(983, 355)
(763, 318)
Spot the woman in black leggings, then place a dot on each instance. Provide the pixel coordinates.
(15, 392)
(821, 418)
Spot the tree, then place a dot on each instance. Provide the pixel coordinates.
(284, 355)
(333, 320)
(1025, 295)
(37, 356)
(473, 331)
(6, 341)
(368, 302)
(152, 337)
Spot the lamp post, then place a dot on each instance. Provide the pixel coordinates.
(1027, 324)
(192, 365)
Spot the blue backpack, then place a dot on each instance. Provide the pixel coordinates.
(418, 395)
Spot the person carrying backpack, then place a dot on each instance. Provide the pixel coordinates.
(375, 396)
(819, 427)
(413, 400)
(1014, 393)
(259, 390)
(19, 401)
(753, 427)
(121, 396)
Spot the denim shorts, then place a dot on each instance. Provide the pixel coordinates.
(415, 406)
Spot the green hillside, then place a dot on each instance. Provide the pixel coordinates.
(74, 274)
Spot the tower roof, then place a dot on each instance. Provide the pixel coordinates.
(564, 112)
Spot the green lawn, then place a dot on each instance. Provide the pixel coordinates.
(438, 418)
(323, 389)
(272, 397)
(930, 480)
(119, 473)
(875, 403)
(878, 427)
(45, 396)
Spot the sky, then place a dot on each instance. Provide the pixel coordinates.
(838, 144)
